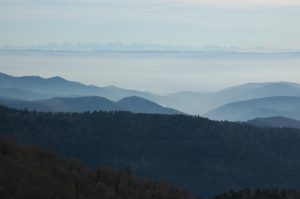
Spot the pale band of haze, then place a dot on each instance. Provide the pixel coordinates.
(157, 74)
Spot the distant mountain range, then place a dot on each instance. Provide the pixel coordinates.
(111, 46)
(280, 122)
(59, 87)
(140, 51)
(38, 88)
(202, 102)
(82, 104)
(15, 93)
(263, 107)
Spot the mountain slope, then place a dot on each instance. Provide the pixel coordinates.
(57, 86)
(30, 173)
(275, 122)
(140, 105)
(35, 173)
(203, 156)
(262, 107)
(202, 102)
(79, 104)
(18, 94)
(82, 104)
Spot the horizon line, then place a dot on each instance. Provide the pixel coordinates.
(140, 46)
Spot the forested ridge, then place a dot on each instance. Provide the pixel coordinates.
(32, 173)
(202, 156)
(273, 193)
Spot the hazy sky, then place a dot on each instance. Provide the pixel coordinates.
(157, 74)
(244, 23)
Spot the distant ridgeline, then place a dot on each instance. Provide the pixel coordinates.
(94, 103)
(238, 103)
(280, 122)
(205, 157)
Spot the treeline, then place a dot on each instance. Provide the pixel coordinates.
(202, 156)
(273, 193)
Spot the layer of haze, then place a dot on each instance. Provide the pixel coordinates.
(157, 74)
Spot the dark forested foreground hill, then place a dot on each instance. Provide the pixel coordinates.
(273, 193)
(203, 156)
(31, 173)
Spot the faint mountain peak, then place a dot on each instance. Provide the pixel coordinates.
(136, 104)
(136, 101)
(57, 78)
(135, 98)
(112, 87)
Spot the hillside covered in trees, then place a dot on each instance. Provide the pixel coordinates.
(273, 193)
(203, 156)
(32, 173)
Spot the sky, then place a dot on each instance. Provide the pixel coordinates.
(243, 23)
